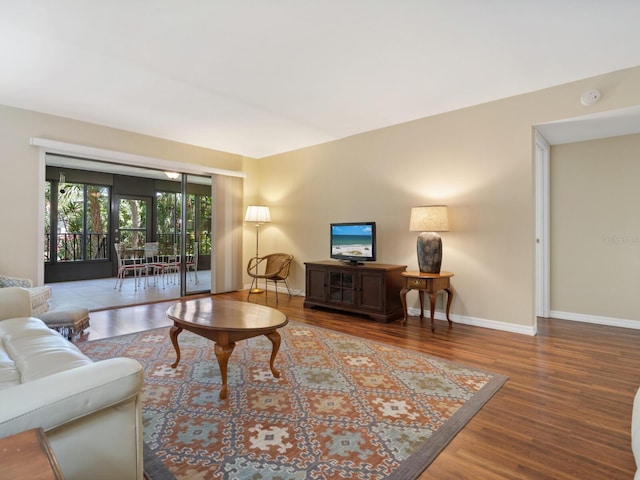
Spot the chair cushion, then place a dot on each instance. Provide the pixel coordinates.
(69, 321)
(65, 317)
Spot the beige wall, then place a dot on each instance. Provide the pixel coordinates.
(19, 192)
(478, 161)
(595, 228)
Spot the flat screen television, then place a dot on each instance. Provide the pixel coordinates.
(353, 242)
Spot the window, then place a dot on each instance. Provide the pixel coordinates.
(169, 225)
(132, 218)
(168, 208)
(203, 223)
(77, 217)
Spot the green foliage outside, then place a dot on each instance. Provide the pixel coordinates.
(83, 222)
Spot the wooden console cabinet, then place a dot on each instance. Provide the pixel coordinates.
(371, 289)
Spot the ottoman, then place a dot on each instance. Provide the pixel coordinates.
(69, 321)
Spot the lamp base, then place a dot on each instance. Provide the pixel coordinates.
(257, 290)
(429, 252)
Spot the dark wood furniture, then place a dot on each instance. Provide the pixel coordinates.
(225, 323)
(430, 284)
(371, 289)
(27, 455)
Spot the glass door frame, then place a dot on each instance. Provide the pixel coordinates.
(185, 232)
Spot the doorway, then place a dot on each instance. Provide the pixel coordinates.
(138, 206)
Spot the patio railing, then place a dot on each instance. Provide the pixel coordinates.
(75, 247)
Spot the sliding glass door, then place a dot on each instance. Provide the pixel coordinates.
(197, 221)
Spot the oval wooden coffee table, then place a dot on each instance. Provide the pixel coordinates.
(225, 322)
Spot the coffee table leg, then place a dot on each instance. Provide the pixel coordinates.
(173, 334)
(275, 341)
(223, 352)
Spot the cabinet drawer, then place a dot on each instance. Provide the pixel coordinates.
(418, 283)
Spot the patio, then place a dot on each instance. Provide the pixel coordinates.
(99, 294)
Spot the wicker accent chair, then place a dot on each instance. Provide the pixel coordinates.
(276, 269)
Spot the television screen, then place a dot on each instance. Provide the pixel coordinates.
(353, 242)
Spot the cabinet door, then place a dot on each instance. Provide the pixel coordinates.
(316, 284)
(371, 287)
(341, 287)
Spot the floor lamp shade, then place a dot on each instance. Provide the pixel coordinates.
(257, 214)
(429, 221)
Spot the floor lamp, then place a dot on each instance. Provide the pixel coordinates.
(257, 214)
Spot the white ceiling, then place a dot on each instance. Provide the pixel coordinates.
(259, 77)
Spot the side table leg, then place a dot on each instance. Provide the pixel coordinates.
(223, 352)
(403, 299)
(173, 334)
(421, 297)
(275, 341)
(432, 306)
(449, 298)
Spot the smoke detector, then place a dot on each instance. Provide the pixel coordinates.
(590, 97)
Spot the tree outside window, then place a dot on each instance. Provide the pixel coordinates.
(81, 222)
(169, 225)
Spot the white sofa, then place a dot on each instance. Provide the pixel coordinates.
(635, 433)
(90, 411)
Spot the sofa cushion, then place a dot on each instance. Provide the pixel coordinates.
(9, 375)
(8, 281)
(36, 350)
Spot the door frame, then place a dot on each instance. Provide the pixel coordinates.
(542, 284)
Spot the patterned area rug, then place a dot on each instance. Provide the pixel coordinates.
(342, 408)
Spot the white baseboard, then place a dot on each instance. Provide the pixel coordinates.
(509, 327)
(595, 319)
(479, 322)
(466, 320)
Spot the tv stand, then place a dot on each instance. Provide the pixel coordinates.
(371, 289)
(352, 263)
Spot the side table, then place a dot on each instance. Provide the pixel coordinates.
(431, 284)
(27, 455)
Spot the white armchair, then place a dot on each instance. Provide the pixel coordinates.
(39, 295)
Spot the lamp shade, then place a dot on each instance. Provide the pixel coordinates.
(432, 218)
(257, 214)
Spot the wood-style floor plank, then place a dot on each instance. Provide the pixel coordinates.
(564, 413)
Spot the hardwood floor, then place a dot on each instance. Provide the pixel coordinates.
(564, 413)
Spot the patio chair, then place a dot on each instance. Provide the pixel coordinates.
(191, 262)
(155, 265)
(276, 269)
(169, 266)
(135, 265)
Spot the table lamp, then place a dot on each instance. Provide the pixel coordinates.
(257, 214)
(429, 220)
